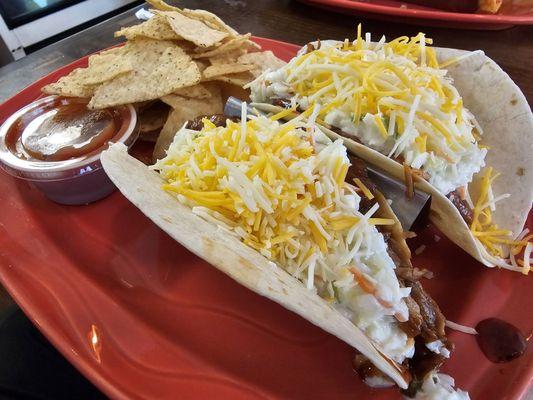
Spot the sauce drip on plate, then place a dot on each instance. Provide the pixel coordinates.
(499, 340)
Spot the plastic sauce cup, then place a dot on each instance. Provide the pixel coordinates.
(73, 174)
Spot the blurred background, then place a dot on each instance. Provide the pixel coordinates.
(29, 25)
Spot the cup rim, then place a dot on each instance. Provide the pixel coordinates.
(57, 170)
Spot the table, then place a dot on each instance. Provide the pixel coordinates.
(284, 20)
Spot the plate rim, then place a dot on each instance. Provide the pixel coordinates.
(425, 14)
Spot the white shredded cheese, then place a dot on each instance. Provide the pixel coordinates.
(461, 328)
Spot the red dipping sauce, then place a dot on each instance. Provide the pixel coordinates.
(500, 341)
(56, 142)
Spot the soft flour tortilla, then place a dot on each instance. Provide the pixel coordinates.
(505, 116)
(226, 252)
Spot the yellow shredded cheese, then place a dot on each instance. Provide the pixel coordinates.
(262, 175)
(397, 98)
(498, 242)
(393, 97)
(363, 188)
(270, 185)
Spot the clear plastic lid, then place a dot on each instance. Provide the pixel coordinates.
(42, 170)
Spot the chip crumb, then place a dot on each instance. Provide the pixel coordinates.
(420, 249)
(436, 238)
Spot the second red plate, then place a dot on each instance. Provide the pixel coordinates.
(399, 11)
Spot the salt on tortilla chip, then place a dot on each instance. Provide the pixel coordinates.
(232, 44)
(185, 109)
(70, 85)
(160, 68)
(199, 91)
(210, 20)
(105, 66)
(193, 30)
(156, 27)
(225, 69)
(228, 57)
(262, 61)
(153, 118)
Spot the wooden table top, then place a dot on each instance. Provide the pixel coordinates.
(289, 21)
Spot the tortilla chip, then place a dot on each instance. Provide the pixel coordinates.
(204, 16)
(105, 66)
(262, 61)
(156, 27)
(199, 91)
(228, 57)
(232, 44)
(161, 5)
(228, 90)
(160, 68)
(143, 105)
(185, 109)
(239, 79)
(153, 118)
(225, 69)
(210, 19)
(70, 85)
(193, 30)
(202, 65)
(150, 136)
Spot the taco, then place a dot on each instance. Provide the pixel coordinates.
(451, 121)
(291, 215)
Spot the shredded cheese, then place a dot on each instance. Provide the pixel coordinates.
(460, 328)
(363, 188)
(394, 97)
(498, 242)
(265, 182)
(398, 99)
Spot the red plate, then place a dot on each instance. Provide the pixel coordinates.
(397, 11)
(143, 318)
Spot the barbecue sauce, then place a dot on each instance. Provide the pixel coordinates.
(62, 129)
(499, 340)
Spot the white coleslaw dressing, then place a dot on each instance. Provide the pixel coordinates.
(440, 387)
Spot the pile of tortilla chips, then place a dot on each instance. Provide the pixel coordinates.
(178, 65)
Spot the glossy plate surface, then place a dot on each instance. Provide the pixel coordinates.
(143, 318)
(400, 11)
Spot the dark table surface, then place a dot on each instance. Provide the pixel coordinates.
(284, 20)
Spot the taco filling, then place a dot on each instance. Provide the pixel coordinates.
(303, 202)
(398, 100)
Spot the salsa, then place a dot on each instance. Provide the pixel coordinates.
(63, 129)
